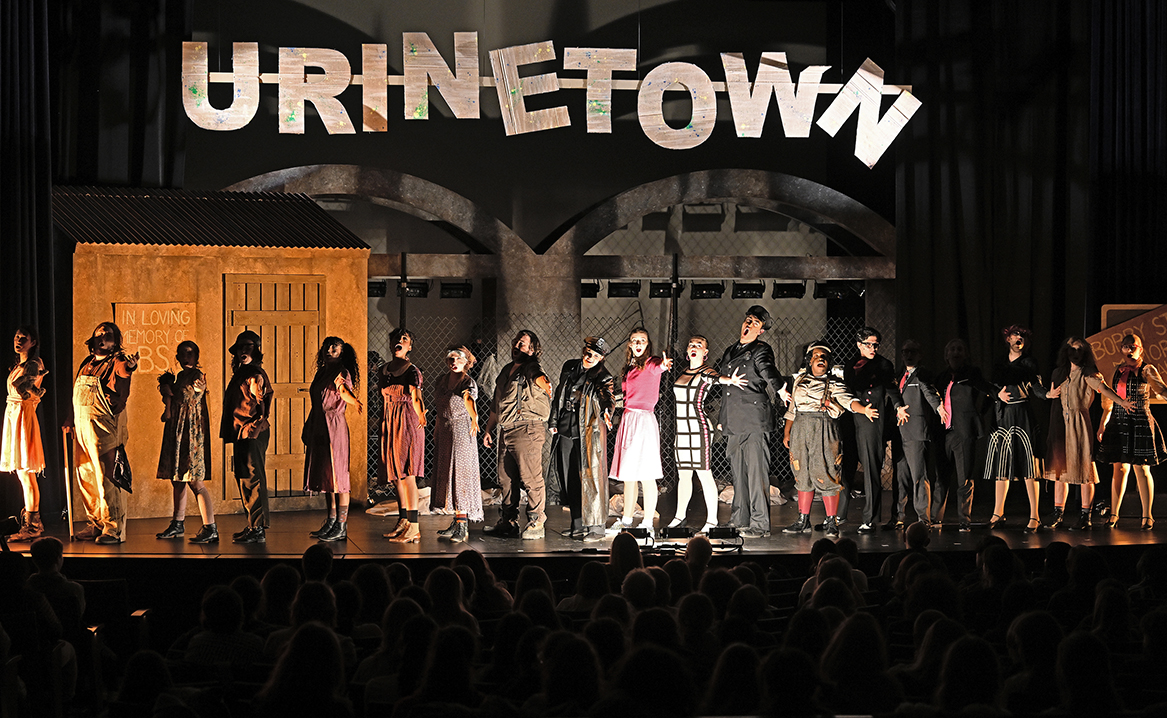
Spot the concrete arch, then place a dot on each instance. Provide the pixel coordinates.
(483, 232)
(817, 205)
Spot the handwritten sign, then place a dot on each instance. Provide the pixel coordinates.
(154, 330)
(1150, 326)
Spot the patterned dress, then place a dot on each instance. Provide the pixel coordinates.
(402, 440)
(21, 449)
(456, 482)
(693, 427)
(186, 443)
(1134, 437)
(325, 435)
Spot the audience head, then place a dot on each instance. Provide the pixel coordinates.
(221, 611)
(998, 566)
(448, 676)
(1084, 678)
(250, 592)
(445, 590)
(1056, 554)
(656, 625)
(652, 681)
(146, 677)
(279, 584)
(593, 581)
(532, 578)
(399, 576)
(747, 603)
(418, 594)
(719, 585)
(468, 583)
(857, 649)
(848, 549)
(917, 535)
(663, 586)
(698, 552)
(789, 680)
(1033, 640)
(315, 601)
(394, 618)
(477, 563)
(819, 550)
(612, 606)
(808, 632)
(733, 689)
(695, 614)
(310, 670)
(608, 639)
(969, 675)
(639, 589)
(833, 592)
(571, 674)
(1087, 567)
(48, 553)
(371, 581)
(624, 557)
(540, 609)
(510, 629)
(680, 580)
(316, 562)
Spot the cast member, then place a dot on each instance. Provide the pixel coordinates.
(1132, 438)
(521, 407)
(457, 485)
(100, 393)
(1011, 455)
(246, 409)
(961, 385)
(746, 419)
(325, 433)
(403, 433)
(914, 477)
(185, 460)
(21, 451)
(693, 431)
(811, 434)
(581, 415)
(637, 458)
(1070, 449)
(871, 379)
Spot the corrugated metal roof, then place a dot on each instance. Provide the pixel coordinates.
(105, 215)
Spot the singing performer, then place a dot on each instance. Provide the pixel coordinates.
(1131, 438)
(21, 451)
(246, 409)
(185, 459)
(403, 433)
(812, 436)
(693, 430)
(637, 459)
(457, 485)
(325, 434)
(581, 415)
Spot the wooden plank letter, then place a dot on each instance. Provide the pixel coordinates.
(245, 79)
(599, 63)
(795, 104)
(651, 97)
(374, 94)
(424, 64)
(512, 88)
(296, 86)
(864, 90)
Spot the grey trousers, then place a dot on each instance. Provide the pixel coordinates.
(749, 458)
(520, 463)
(913, 480)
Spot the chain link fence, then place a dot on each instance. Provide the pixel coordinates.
(703, 230)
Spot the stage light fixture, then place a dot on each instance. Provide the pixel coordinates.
(750, 290)
(789, 290)
(707, 291)
(589, 290)
(664, 290)
(623, 290)
(723, 532)
(831, 290)
(413, 289)
(457, 290)
(677, 532)
(377, 288)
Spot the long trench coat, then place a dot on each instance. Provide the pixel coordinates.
(594, 399)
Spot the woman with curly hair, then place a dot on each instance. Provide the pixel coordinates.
(457, 486)
(403, 433)
(325, 434)
(21, 451)
(1011, 456)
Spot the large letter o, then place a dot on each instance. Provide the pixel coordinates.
(651, 97)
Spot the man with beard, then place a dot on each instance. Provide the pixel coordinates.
(581, 415)
(100, 394)
(746, 421)
(870, 379)
(959, 387)
(913, 481)
(522, 405)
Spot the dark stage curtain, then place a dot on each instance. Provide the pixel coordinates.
(35, 275)
(1128, 135)
(993, 174)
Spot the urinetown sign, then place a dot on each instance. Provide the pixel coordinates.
(423, 65)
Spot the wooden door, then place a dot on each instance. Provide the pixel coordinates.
(287, 311)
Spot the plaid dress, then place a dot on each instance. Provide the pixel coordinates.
(1133, 437)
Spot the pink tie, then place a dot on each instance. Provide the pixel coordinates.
(1120, 386)
(948, 403)
(904, 381)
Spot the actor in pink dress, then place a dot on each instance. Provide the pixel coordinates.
(636, 461)
(325, 434)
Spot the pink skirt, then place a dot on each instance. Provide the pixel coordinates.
(637, 456)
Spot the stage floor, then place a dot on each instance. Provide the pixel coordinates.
(288, 537)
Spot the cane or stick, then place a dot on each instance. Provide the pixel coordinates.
(67, 455)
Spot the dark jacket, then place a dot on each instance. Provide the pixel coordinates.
(923, 404)
(245, 416)
(874, 384)
(748, 410)
(588, 407)
(968, 384)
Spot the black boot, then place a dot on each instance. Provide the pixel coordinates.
(209, 533)
(174, 530)
(449, 530)
(1084, 523)
(1056, 519)
(338, 532)
(324, 528)
(831, 527)
(461, 531)
(801, 526)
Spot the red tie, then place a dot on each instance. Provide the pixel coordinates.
(904, 380)
(948, 403)
(1124, 373)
